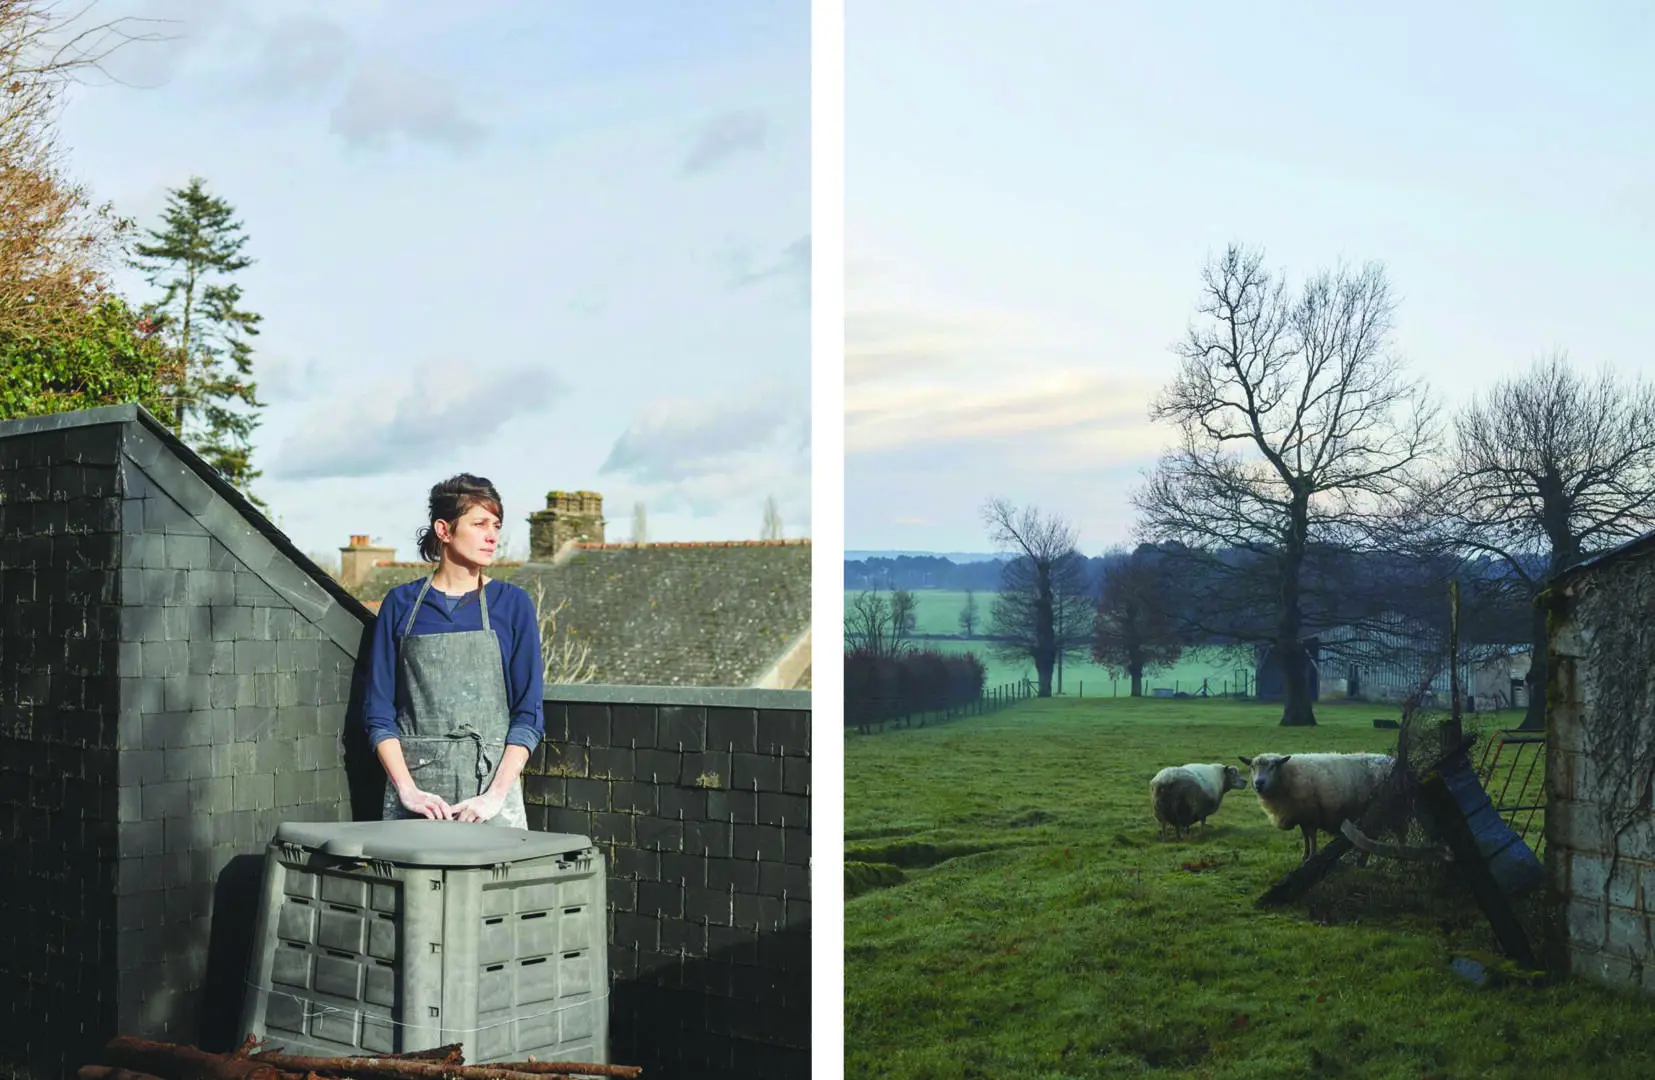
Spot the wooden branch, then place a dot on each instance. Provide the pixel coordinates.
(1362, 842)
(1305, 876)
(110, 1072)
(380, 1068)
(184, 1062)
(572, 1068)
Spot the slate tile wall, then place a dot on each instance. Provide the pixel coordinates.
(171, 687)
(232, 706)
(703, 813)
(59, 798)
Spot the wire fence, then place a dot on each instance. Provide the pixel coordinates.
(877, 712)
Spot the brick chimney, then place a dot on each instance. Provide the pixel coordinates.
(356, 561)
(569, 516)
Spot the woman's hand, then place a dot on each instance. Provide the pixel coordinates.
(479, 807)
(425, 804)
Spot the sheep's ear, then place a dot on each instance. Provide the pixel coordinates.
(1286, 759)
(1247, 761)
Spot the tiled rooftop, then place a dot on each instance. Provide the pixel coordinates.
(666, 614)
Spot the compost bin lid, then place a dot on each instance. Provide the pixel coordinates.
(421, 842)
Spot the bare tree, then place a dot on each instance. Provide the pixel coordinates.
(1135, 626)
(640, 528)
(878, 625)
(772, 520)
(1038, 586)
(1547, 468)
(56, 247)
(565, 661)
(968, 615)
(1298, 429)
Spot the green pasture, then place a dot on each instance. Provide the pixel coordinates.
(1012, 912)
(938, 611)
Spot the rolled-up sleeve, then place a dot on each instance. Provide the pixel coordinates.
(525, 674)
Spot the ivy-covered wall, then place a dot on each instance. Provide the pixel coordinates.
(1600, 768)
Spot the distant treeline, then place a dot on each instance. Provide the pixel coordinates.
(886, 688)
(1227, 597)
(921, 572)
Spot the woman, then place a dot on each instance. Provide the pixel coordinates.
(453, 703)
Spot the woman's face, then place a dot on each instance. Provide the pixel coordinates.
(471, 539)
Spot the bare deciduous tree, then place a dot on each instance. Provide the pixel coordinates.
(1034, 615)
(567, 662)
(1135, 626)
(1298, 428)
(640, 527)
(968, 615)
(1548, 467)
(880, 626)
(56, 247)
(772, 520)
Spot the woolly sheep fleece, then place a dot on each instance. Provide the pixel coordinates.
(1314, 792)
(1181, 795)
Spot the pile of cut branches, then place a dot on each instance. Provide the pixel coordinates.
(128, 1058)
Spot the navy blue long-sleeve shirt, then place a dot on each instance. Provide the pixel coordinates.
(512, 617)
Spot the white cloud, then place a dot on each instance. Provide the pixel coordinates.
(386, 100)
(709, 455)
(301, 55)
(791, 264)
(387, 428)
(725, 137)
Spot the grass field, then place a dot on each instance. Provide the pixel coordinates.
(1041, 929)
(938, 612)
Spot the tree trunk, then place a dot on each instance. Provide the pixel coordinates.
(1045, 629)
(1296, 710)
(1534, 716)
(1138, 681)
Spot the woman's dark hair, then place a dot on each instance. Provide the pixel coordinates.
(449, 501)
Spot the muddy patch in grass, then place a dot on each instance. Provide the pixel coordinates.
(861, 877)
(912, 854)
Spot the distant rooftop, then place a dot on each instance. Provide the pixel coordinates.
(721, 613)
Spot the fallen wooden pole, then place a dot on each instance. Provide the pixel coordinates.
(451, 1054)
(572, 1068)
(1306, 874)
(379, 1068)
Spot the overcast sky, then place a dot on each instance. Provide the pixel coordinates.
(1037, 187)
(562, 245)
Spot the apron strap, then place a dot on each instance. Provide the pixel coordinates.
(482, 599)
(418, 600)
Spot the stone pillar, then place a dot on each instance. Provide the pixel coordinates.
(569, 516)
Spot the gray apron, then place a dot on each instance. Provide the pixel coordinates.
(453, 722)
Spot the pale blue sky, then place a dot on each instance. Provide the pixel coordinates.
(561, 245)
(1039, 185)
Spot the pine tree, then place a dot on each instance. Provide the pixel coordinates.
(199, 314)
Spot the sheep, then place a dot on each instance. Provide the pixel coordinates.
(1181, 795)
(1316, 791)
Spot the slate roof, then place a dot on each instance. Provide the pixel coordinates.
(215, 507)
(670, 614)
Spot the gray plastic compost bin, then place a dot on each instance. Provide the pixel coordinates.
(391, 936)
